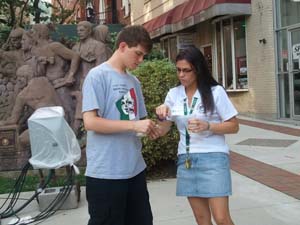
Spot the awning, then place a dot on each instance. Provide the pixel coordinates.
(193, 12)
(160, 24)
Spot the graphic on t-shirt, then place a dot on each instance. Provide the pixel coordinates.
(127, 105)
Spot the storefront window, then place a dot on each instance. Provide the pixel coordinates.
(282, 51)
(173, 48)
(284, 97)
(165, 47)
(227, 54)
(172, 44)
(288, 12)
(231, 53)
(240, 53)
(219, 54)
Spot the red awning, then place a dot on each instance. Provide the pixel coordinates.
(185, 10)
(193, 8)
(157, 22)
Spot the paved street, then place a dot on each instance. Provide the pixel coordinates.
(265, 161)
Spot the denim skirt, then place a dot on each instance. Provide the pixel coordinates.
(209, 175)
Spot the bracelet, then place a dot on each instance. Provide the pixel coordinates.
(208, 125)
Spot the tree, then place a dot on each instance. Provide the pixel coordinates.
(8, 9)
(14, 12)
(61, 14)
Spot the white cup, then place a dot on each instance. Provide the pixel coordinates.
(141, 134)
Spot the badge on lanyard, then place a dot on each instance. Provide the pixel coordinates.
(188, 162)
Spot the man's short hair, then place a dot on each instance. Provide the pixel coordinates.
(133, 36)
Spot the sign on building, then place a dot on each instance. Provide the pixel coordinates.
(184, 41)
(296, 51)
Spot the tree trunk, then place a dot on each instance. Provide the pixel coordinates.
(37, 11)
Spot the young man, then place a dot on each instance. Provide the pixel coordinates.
(113, 105)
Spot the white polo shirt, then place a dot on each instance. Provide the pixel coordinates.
(205, 141)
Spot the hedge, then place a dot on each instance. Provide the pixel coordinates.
(157, 77)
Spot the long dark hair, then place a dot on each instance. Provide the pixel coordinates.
(203, 76)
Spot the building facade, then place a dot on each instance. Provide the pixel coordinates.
(287, 29)
(252, 47)
(105, 11)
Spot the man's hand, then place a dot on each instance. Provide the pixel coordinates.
(144, 126)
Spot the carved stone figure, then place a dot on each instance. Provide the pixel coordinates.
(56, 56)
(91, 52)
(38, 93)
(14, 40)
(24, 74)
(10, 60)
(13, 55)
(28, 44)
(41, 33)
(34, 72)
(60, 64)
(101, 34)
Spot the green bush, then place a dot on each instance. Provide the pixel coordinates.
(156, 78)
(155, 54)
(4, 32)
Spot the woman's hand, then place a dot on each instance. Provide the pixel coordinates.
(197, 126)
(162, 112)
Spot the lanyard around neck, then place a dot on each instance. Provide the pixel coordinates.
(185, 108)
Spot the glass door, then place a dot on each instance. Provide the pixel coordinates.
(294, 72)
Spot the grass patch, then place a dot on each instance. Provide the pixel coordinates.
(32, 181)
(164, 170)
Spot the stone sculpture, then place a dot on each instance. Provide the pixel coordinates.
(101, 34)
(92, 53)
(13, 53)
(38, 93)
(60, 65)
(38, 72)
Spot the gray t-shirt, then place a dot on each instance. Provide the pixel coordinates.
(115, 96)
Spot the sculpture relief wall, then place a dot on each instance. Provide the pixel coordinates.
(35, 72)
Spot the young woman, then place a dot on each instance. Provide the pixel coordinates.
(203, 113)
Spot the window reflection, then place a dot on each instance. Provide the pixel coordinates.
(227, 54)
(282, 51)
(219, 53)
(289, 11)
(240, 53)
(238, 78)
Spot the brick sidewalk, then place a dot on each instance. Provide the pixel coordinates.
(274, 177)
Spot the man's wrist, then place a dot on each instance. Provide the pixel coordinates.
(208, 126)
(133, 127)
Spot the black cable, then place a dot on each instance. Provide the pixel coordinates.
(52, 208)
(14, 192)
(57, 202)
(23, 199)
(62, 196)
(18, 220)
(9, 210)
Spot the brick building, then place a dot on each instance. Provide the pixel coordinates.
(98, 11)
(253, 47)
